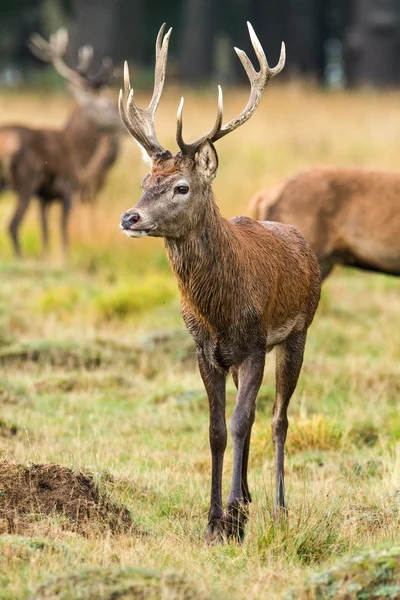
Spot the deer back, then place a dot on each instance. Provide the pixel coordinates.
(343, 212)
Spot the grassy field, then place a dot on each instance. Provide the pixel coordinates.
(97, 374)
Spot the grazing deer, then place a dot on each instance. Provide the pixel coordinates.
(57, 164)
(347, 215)
(246, 286)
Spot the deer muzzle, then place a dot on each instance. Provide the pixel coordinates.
(134, 225)
(128, 219)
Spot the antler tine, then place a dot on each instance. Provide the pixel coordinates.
(133, 109)
(192, 148)
(135, 132)
(140, 122)
(40, 54)
(39, 47)
(146, 117)
(54, 51)
(127, 80)
(104, 74)
(59, 42)
(85, 57)
(281, 63)
(258, 81)
(160, 67)
(136, 120)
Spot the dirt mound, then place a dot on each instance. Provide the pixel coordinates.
(373, 574)
(116, 583)
(29, 492)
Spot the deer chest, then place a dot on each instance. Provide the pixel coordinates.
(223, 348)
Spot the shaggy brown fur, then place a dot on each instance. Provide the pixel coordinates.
(246, 287)
(349, 216)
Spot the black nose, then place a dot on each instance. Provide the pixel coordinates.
(130, 218)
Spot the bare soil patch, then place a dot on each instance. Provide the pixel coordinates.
(27, 493)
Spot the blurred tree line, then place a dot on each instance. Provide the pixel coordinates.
(335, 42)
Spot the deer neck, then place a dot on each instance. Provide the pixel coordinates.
(92, 151)
(93, 174)
(204, 265)
(82, 136)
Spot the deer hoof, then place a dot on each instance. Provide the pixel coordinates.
(235, 520)
(215, 534)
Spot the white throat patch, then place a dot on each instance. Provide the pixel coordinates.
(135, 234)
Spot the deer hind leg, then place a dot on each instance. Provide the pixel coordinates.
(215, 382)
(44, 213)
(22, 205)
(250, 373)
(289, 359)
(65, 213)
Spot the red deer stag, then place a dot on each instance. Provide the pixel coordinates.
(347, 215)
(246, 286)
(57, 164)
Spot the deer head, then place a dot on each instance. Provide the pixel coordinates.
(90, 89)
(177, 190)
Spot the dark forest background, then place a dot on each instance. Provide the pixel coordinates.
(334, 42)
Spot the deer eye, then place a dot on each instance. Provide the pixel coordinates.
(181, 189)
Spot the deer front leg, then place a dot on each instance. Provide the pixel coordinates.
(215, 383)
(245, 485)
(22, 205)
(289, 358)
(250, 375)
(44, 211)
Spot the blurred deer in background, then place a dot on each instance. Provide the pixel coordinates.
(59, 164)
(246, 286)
(348, 216)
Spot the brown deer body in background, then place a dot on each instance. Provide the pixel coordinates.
(60, 164)
(349, 216)
(246, 286)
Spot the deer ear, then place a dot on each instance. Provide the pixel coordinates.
(207, 160)
(145, 157)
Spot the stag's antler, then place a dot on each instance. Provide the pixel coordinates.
(258, 83)
(54, 51)
(138, 121)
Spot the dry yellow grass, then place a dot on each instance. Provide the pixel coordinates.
(96, 371)
(294, 128)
